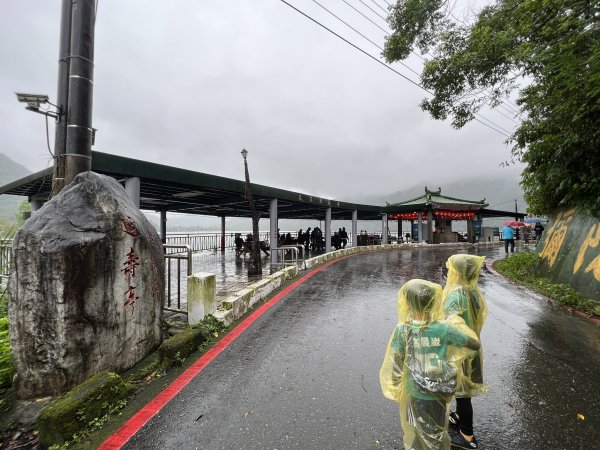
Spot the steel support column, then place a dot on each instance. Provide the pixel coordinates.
(273, 236)
(132, 187)
(328, 230)
(163, 226)
(430, 226)
(36, 204)
(355, 228)
(222, 234)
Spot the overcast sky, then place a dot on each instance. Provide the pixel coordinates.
(191, 83)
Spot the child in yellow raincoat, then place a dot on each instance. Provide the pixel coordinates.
(419, 368)
(462, 298)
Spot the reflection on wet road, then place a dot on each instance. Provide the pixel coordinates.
(305, 375)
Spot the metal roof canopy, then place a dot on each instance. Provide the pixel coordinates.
(185, 191)
(179, 190)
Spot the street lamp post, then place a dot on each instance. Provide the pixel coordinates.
(255, 267)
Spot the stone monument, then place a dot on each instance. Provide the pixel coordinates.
(86, 288)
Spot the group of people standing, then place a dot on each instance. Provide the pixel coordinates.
(313, 239)
(434, 354)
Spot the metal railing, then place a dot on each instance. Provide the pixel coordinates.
(283, 251)
(207, 241)
(5, 258)
(172, 255)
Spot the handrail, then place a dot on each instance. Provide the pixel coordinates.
(178, 256)
(281, 251)
(189, 252)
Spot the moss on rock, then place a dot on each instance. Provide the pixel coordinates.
(81, 407)
(179, 347)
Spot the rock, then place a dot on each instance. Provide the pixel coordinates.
(86, 288)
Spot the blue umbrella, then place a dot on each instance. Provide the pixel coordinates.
(534, 220)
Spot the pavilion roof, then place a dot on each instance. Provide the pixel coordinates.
(435, 200)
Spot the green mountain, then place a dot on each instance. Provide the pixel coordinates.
(10, 171)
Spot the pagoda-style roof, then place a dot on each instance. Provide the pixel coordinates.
(436, 201)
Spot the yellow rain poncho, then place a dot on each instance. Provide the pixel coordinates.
(419, 370)
(462, 298)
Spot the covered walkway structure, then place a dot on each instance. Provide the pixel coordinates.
(161, 188)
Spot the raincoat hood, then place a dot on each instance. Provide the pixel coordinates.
(420, 300)
(464, 269)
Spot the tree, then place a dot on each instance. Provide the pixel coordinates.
(550, 48)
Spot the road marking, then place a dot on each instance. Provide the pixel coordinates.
(133, 425)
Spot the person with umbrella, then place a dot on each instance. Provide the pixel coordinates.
(508, 234)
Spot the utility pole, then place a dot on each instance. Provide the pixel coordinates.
(62, 97)
(78, 141)
(516, 210)
(255, 267)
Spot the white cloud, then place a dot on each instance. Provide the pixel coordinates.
(191, 83)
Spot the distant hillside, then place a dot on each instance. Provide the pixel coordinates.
(10, 171)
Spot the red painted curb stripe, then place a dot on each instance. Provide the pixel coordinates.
(132, 426)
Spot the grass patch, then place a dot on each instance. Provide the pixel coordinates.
(521, 268)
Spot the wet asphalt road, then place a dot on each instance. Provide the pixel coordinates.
(305, 374)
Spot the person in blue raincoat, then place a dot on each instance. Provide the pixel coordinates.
(508, 234)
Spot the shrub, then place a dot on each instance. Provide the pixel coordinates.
(521, 267)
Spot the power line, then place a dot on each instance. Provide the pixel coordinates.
(359, 33)
(376, 13)
(380, 7)
(368, 18)
(498, 129)
(502, 105)
(353, 45)
(400, 62)
(414, 53)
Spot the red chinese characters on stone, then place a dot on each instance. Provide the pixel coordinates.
(131, 298)
(129, 227)
(130, 263)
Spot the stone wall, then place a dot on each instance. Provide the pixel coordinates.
(570, 252)
(86, 288)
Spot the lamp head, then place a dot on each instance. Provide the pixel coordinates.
(244, 153)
